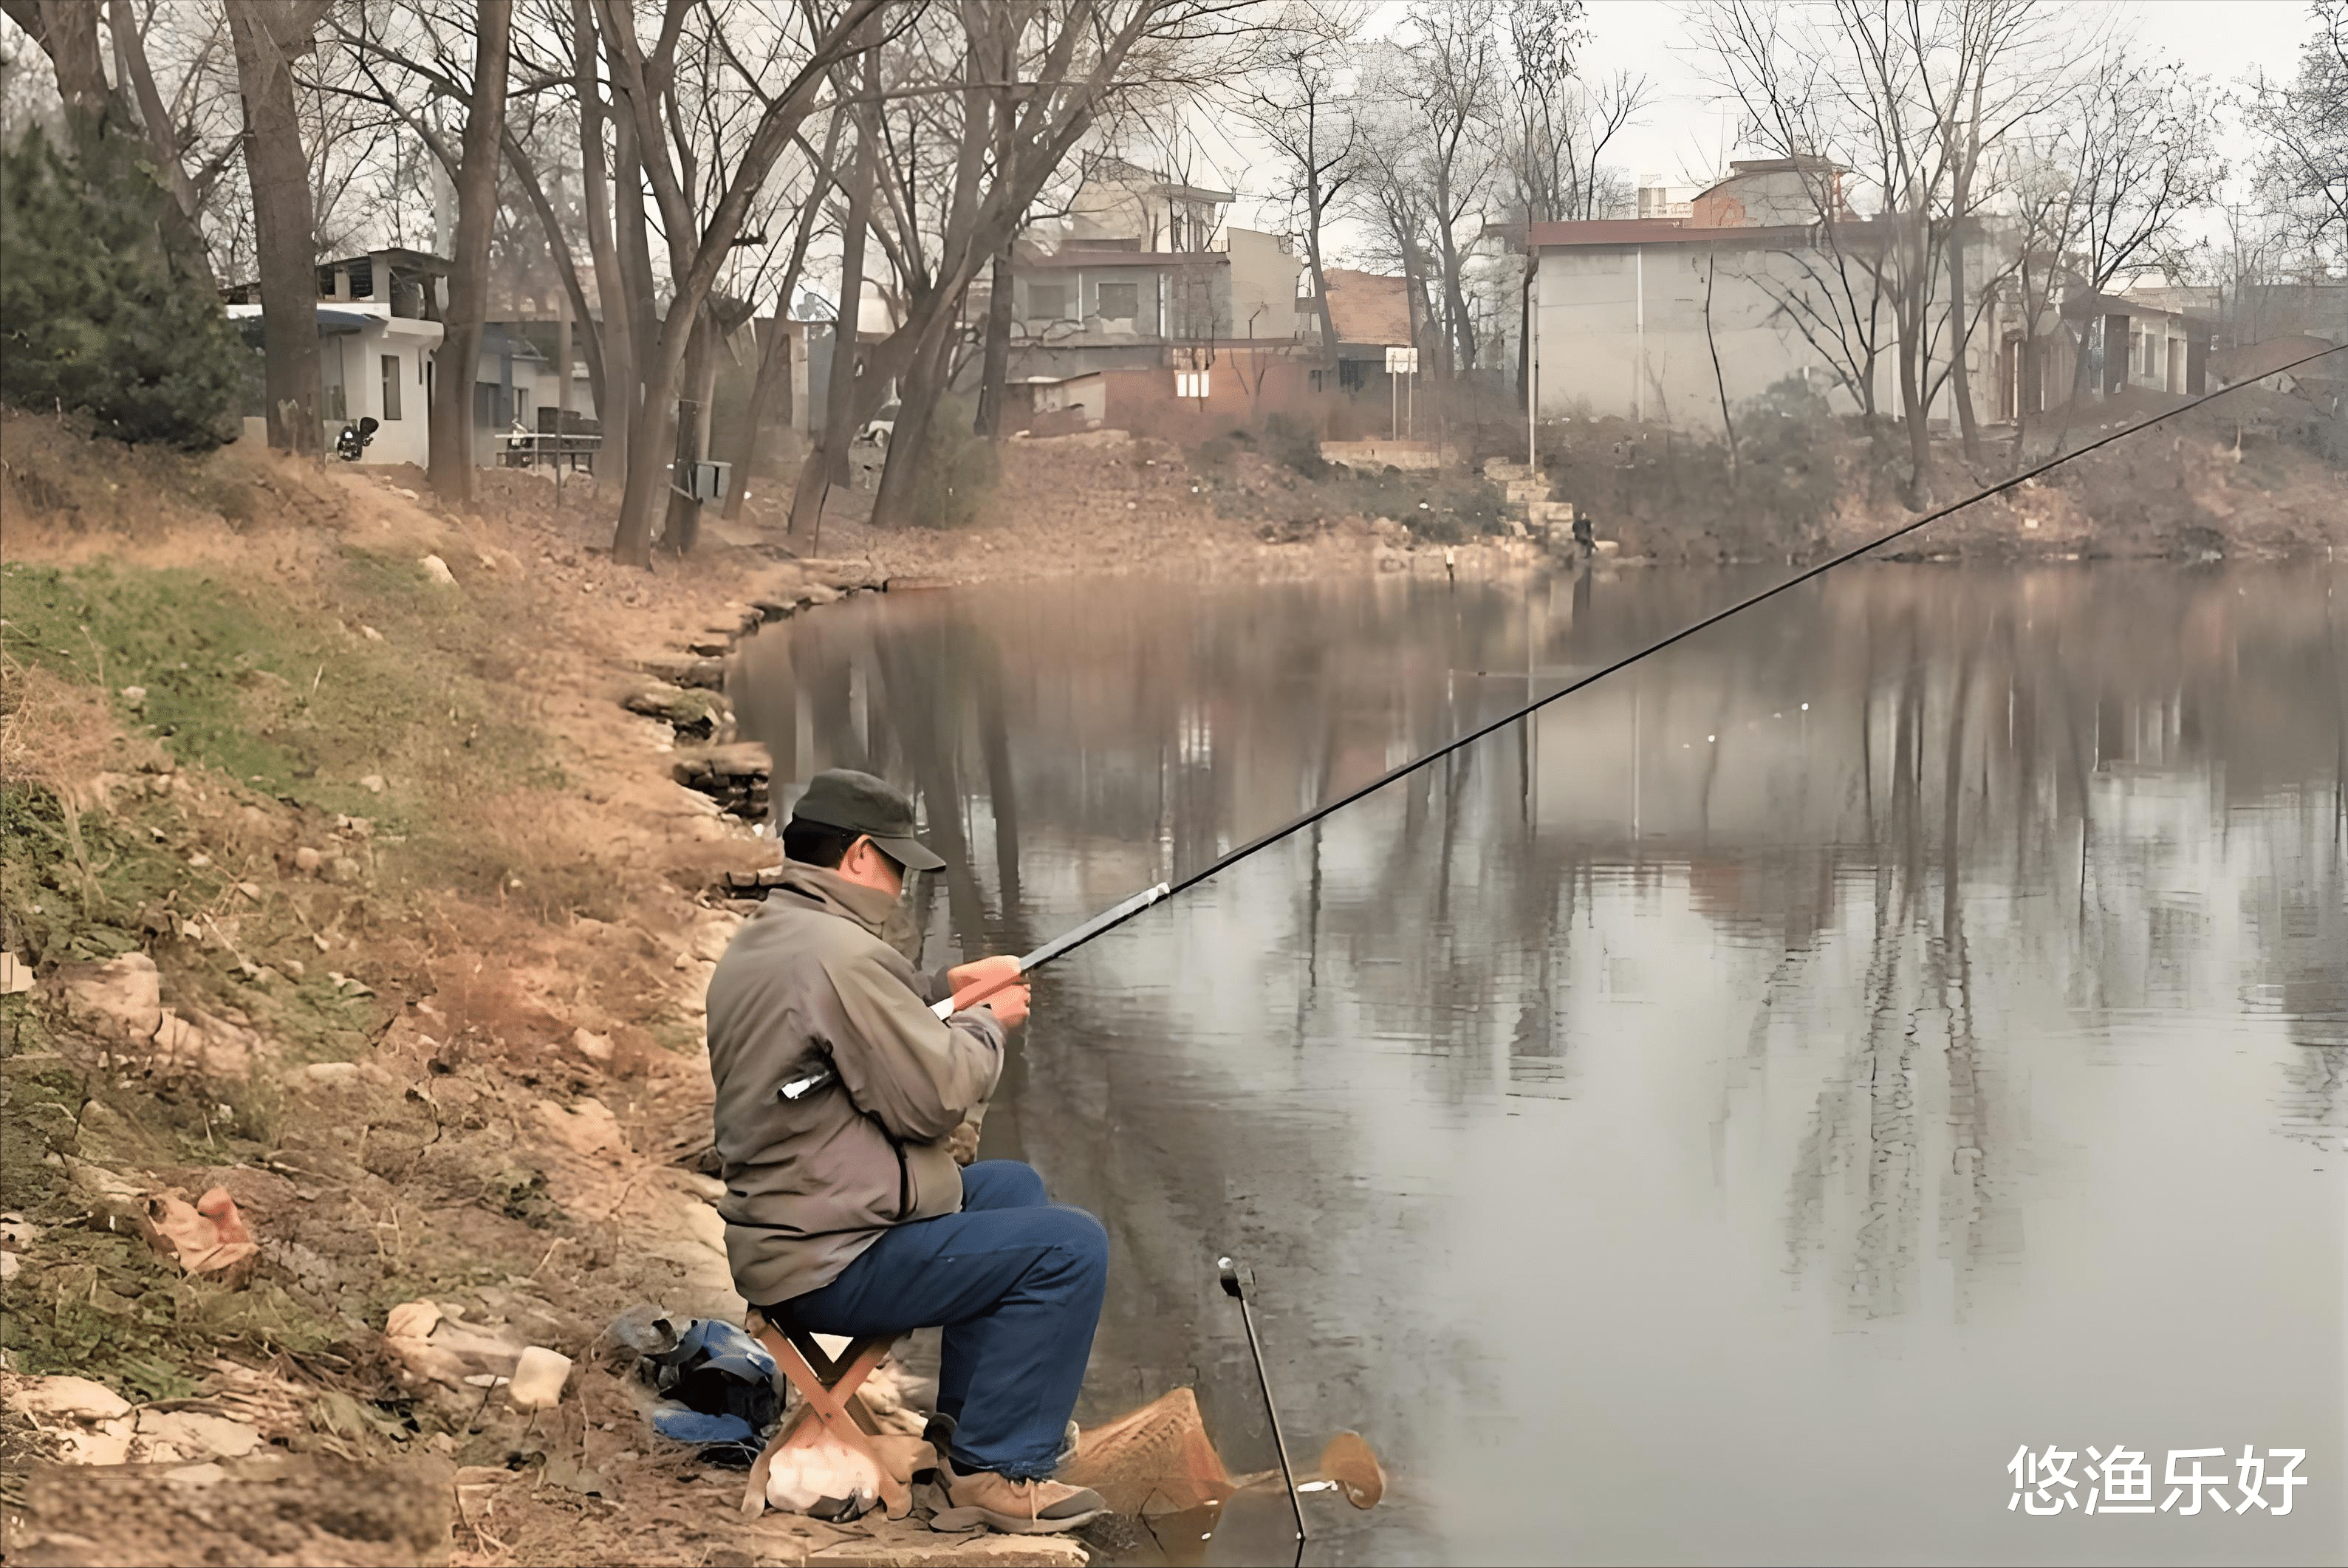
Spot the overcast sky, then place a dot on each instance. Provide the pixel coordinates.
(1685, 138)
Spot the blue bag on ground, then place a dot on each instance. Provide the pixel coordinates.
(716, 1384)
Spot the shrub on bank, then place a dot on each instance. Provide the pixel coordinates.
(93, 316)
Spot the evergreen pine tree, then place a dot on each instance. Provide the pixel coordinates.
(93, 316)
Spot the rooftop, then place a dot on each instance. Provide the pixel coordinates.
(1664, 231)
(1073, 256)
(1368, 307)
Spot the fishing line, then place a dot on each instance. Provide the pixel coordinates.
(1109, 920)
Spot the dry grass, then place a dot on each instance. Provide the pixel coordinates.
(60, 737)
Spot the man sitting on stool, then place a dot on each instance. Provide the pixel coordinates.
(846, 1208)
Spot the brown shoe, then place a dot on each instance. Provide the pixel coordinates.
(1015, 1506)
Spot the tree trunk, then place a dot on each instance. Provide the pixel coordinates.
(837, 420)
(682, 530)
(67, 31)
(1961, 334)
(1912, 408)
(615, 394)
(995, 370)
(1719, 380)
(267, 35)
(1321, 288)
(1463, 329)
(451, 471)
(995, 367)
(774, 375)
(653, 429)
(775, 354)
(183, 237)
(917, 407)
(634, 259)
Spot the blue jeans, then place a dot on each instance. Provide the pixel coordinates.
(1016, 1281)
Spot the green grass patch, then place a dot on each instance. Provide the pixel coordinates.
(78, 884)
(97, 1303)
(289, 704)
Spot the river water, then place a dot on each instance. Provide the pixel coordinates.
(1723, 1120)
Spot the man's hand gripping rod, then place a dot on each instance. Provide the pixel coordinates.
(799, 1088)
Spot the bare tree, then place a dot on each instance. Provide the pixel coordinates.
(615, 402)
(775, 354)
(67, 31)
(855, 227)
(1892, 103)
(269, 35)
(1980, 99)
(1301, 107)
(1085, 55)
(1832, 292)
(1003, 27)
(476, 175)
(2302, 168)
(1559, 128)
(1719, 379)
(1386, 198)
(699, 247)
(1446, 81)
(2135, 159)
(182, 220)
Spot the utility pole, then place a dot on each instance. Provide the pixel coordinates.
(1532, 366)
(561, 363)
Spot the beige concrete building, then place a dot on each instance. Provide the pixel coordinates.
(1144, 274)
(1655, 318)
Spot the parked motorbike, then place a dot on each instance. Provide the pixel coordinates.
(355, 439)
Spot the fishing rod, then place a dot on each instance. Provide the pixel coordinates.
(823, 1073)
(1234, 1287)
(1109, 920)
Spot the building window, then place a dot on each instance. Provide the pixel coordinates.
(1349, 375)
(1190, 384)
(1119, 302)
(1047, 302)
(488, 404)
(390, 387)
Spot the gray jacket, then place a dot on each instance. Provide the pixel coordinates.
(810, 1183)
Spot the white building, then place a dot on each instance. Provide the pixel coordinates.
(1657, 318)
(379, 340)
(371, 364)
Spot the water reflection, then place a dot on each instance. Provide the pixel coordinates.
(1720, 1120)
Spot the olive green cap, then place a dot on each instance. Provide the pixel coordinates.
(843, 798)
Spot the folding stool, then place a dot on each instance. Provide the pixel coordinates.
(828, 1392)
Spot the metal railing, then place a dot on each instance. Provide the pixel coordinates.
(529, 449)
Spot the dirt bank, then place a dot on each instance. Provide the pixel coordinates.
(2243, 479)
(2238, 479)
(338, 881)
(1108, 504)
